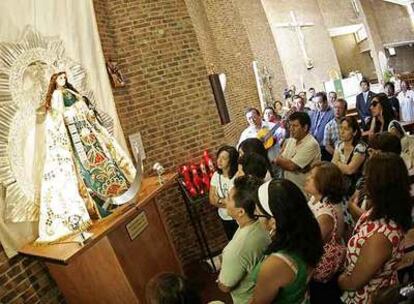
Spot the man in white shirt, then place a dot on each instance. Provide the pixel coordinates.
(406, 100)
(255, 124)
(248, 244)
(300, 151)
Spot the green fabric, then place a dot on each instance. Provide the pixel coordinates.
(240, 256)
(68, 98)
(100, 172)
(295, 292)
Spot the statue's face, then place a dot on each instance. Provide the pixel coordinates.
(61, 80)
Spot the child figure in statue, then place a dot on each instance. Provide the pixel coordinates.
(82, 164)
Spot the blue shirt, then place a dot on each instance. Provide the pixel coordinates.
(319, 120)
(331, 136)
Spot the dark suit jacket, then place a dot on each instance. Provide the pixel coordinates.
(363, 107)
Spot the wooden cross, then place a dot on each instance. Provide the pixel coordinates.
(298, 29)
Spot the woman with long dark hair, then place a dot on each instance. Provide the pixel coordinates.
(382, 114)
(375, 248)
(220, 184)
(254, 145)
(296, 244)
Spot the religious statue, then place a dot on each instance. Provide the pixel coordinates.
(117, 80)
(81, 165)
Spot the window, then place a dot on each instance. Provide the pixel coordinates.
(361, 34)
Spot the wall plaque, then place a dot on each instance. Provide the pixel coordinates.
(137, 225)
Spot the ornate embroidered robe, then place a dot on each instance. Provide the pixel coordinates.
(82, 166)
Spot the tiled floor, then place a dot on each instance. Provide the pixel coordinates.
(205, 282)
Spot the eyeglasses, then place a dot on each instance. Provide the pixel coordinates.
(257, 216)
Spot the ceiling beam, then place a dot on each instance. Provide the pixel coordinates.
(400, 2)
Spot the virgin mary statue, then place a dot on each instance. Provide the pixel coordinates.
(80, 163)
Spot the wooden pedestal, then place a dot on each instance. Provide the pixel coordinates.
(115, 264)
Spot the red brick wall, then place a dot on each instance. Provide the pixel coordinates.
(167, 98)
(164, 55)
(26, 280)
(262, 43)
(231, 54)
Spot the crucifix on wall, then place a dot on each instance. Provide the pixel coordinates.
(294, 24)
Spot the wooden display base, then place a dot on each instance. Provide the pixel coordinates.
(124, 252)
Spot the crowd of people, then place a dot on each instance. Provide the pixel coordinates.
(336, 200)
(316, 204)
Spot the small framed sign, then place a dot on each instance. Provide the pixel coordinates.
(137, 146)
(136, 226)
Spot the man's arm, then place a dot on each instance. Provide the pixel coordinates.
(232, 271)
(327, 139)
(303, 157)
(224, 288)
(330, 149)
(286, 164)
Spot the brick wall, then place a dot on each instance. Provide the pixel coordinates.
(164, 56)
(26, 280)
(167, 98)
(181, 230)
(231, 46)
(204, 35)
(262, 44)
(234, 57)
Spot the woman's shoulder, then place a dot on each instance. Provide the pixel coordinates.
(280, 261)
(361, 147)
(340, 145)
(374, 225)
(215, 175)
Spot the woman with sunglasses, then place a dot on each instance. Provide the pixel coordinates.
(296, 244)
(382, 114)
